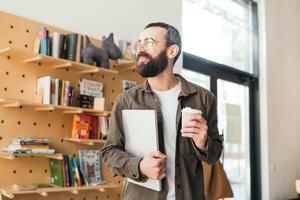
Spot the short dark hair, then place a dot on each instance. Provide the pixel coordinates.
(173, 35)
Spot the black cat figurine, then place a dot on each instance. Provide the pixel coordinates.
(101, 55)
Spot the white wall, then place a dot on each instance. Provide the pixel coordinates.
(280, 71)
(99, 17)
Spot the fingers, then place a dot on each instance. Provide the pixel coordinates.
(158, 154)
(197, 118)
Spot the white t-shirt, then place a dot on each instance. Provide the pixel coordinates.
(169, 102)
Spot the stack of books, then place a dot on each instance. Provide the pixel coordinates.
(67, 172)
(27, 145)
(88, 90)
(59, 45)
(54, 91)
(89, 127)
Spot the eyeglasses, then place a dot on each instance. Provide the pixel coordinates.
(148, 42)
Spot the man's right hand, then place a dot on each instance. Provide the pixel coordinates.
(154, 165)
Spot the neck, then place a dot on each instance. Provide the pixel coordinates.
(164, 81)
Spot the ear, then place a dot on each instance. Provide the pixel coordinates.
(172, 51)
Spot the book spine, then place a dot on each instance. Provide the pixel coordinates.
(71, 46)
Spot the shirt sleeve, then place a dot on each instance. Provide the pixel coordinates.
(214, 140)
(113, 152)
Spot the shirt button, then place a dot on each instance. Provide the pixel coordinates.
(134, 175)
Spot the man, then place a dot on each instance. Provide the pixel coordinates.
(178, 163)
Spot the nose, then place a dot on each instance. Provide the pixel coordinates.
(140, 48)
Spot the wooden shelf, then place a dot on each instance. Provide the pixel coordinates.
(125, 66)
(55, 63)
(9, 192)
(10, 156)
(89, 142)
(13, 103)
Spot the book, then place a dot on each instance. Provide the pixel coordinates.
(62, 46)
(76, 171)
(94, 128)
(44, 89)
(42, 35)
(31, 187)
(29, 151)
(104, 126)
(30, 140)
(71, 46)
(81, 126)
(56, 44)
(89, 161)
(90, 88)
(56, 170)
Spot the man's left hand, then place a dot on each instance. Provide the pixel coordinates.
(196, 129)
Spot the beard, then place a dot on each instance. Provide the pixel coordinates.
(154, 66)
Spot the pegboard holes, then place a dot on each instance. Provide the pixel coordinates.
(22, 91)
(46, 171)
(112, 91)
(20, 107)
(14, 171)
(8, 57)
(26, 45)
(5, 89)
(40, 64)
(30, 171)
(119, 182)
(19, 122)
(96, 197)
(10, 42)
(27, 30)
(113, 78)
(67, 69)
(92, 74)
(102, 76)
(112, 103)
(74, 155)
(63, 126)
(1, 138)
(62, 140)
(83, 198)
(2, 121)
(23, 75)
(107, 196)
(11, 26)
(34, 123)
(7, 73)
(133, 71)
(49, 125)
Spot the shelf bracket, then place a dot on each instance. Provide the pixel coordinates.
(30, 60)
(68, 64)
(12, 105)
(43, 193)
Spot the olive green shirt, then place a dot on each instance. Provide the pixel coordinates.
(189, 182)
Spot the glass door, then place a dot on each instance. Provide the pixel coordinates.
(233, 123)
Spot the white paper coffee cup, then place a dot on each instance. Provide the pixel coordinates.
(186, 114)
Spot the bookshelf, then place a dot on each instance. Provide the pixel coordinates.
(20, 115)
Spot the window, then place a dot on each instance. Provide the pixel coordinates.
(220, 31)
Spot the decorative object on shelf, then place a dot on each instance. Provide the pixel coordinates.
(128, 84)
(128, 49)
(99, 103)
(101, 55)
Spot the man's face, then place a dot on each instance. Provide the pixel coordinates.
(151, 52)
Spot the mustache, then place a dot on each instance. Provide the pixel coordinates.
(144, 54)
